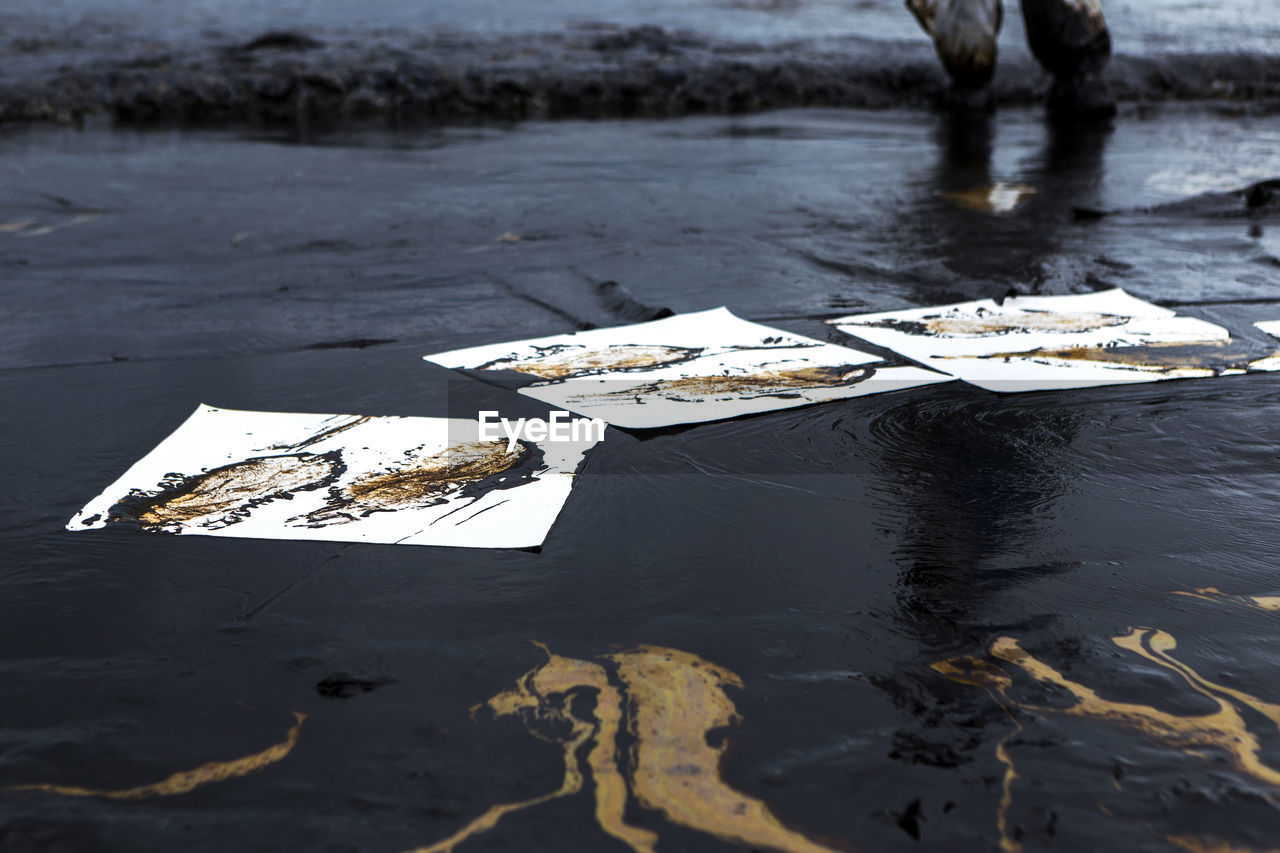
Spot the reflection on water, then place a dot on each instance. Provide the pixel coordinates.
(997, 198)
(966, 481)
(965, 478)
(986, 228)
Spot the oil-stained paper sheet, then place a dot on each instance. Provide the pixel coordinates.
(272, 475)
(687, 369)
(1271, 362)
(1034, 343)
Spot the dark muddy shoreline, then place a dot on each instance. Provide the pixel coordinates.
(590, 73)
(852, 563)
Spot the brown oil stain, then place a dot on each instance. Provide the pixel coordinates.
(983, 323)
(227, 494)
(186, 780)
(469, 469)
(998, 198)
(1191, 359)
(568, 361)
(1224, 730)
(669, 703)
(762, 383)
(1212, 593)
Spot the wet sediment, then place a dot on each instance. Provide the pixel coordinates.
(642, 71)
(830, 556)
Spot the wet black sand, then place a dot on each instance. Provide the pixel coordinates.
(828, 555)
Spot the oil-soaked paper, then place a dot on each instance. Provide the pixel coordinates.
(272, 475)
(687, 369)
(1034, 343)
(1270, 362)
(1271, 327)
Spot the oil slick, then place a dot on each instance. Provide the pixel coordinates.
(1199, 845)
(1222, 732)
(422, 481)
(689, 368)
(185, 781)
(996, 199)
(533, 699)
(1034, 343)
(667, 703)
(570, 361)
(34, 228)
(1270, 603)
(675, 699)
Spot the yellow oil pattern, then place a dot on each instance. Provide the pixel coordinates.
(1223, 731)
(669, 703)
(1199, 845)
(675, 699)
(533, 699)
(1212, 593)
(186, 780)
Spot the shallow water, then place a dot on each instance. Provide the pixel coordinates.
(829, 556)
(1237, 25)
(234, 62)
